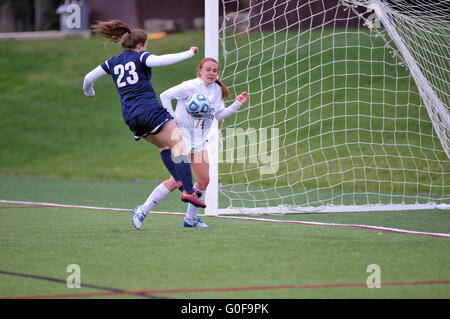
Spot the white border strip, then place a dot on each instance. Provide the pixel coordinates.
(378, 228)
(80, 207)
(330, 209)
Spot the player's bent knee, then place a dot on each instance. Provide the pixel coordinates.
(202, 184)
(170, 184)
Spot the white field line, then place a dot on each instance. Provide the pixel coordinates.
(378, 228)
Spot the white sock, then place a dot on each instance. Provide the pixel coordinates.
(158, 194)
(192, 210)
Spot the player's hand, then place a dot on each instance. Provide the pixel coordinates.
(194, 49)
(243, 97)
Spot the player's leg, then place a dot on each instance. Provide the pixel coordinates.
(167, 158)
(157, 195)
(170, 137)
(200, 168)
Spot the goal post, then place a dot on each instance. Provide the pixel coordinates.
(437, 111)
(348, 108)
(212, 51)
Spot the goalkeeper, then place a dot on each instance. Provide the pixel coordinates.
(194, 132)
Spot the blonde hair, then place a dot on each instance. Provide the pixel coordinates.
(225, 93)
(118, 31)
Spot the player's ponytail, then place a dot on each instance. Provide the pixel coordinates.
(225, 92)
(120, 32)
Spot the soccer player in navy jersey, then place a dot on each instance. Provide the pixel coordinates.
(142, 112)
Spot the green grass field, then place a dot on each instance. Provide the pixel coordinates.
(43, 241)
(57, 146)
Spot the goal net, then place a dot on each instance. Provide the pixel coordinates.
(348, 109)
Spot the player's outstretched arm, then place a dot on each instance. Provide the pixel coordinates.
(177, 92)
(171, 58)
(243, 97)
(90, 78)
(225, 112)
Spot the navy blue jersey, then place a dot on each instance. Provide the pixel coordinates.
(132, 79)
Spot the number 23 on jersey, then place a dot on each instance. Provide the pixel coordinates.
(128, 71)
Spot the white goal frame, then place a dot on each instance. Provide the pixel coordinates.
(212, 50)
(212, 195)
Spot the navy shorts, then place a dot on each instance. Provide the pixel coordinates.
(150, 122)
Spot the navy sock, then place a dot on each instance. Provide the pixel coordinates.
(166, 157)
(183, 168)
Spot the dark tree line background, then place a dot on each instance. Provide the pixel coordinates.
(39, 15)
(29, 15)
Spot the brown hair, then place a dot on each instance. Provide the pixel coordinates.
(225, 93)
(120, 32)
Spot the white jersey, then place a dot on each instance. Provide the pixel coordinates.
(195, 130)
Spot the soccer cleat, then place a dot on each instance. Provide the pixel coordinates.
(193, 199)
(180, 187)
(138, 217)
(196, 223)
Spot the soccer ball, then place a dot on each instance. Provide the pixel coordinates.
(197, 105)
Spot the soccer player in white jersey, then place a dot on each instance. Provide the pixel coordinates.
(145, 116)
(194, 133)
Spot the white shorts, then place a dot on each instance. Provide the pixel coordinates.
(197, 148)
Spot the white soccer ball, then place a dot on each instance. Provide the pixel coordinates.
(197, 105)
